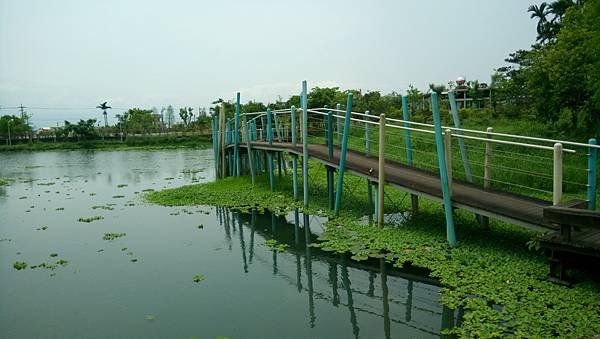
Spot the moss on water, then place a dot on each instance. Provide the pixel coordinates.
(488, 268)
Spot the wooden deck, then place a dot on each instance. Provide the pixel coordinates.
(513, 208)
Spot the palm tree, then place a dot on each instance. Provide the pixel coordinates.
(540, 12)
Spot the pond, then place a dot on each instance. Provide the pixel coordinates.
(108, 265)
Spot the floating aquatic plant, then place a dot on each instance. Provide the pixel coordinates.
(108, 208)
(90, 219)
(198, 278)
(275, 246)
(113, 236)
(122, 185)
(20, 265)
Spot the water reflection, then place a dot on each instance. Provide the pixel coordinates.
(406, 302)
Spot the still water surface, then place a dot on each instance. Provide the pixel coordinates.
(141, 285)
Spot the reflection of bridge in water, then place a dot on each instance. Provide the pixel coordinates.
(409, 301)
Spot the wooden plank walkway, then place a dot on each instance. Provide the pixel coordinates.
(513, 208)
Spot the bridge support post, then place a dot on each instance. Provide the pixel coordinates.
(270, 153)
(330, 170)
(592, 165)
(294, 156)
(339, 124)
(236, 136)
(368, 153)
(450, 233)
(557, 175)
(215, 140)
(222, 139)
(304, 100)
(342, 166)
(381, 171)
(414, 199)
(448, 156)
(249, 150)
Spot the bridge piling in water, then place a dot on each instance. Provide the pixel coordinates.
(344, 148)
(270, 153)
(381, 171)
(236, 154)
(304, 99)
(294, 156)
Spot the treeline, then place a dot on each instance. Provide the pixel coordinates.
(556, 82)
(558, 79)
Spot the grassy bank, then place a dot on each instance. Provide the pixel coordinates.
(492, 274)
(130, 143)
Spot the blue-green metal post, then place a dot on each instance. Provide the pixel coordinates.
(342, 166)
(439, 143)
(304, 98)
(592, 175)
(270, 153)
(461, 141)
(330, 170)
(339, 124)
(236, 136)
(407, 142)
(408, 145)
(294, 156)
(215, 133)
(368, 153)
(367, 135)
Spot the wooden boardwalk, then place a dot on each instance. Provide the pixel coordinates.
(513, 208)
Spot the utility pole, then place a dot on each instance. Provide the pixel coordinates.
(23, 113)
(8, 124)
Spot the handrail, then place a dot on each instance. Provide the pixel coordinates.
(369, 119)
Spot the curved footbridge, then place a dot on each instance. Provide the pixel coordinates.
(528, 181)
(513, 208)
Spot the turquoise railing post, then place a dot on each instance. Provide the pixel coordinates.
(294, 156)
(368, 153)
(215, 133)
(439, 143)
(408, 145)
(270, 153)
(461, 141)
(338, 107)
(305, 143)
(367, 135)
(592, 175)
(330, 169)
(227, 142)
(236, 136)
(246, 129)
(342, 166)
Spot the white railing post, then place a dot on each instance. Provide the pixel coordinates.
(448, 156)
(557, 174)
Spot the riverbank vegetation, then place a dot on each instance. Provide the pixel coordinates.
(148, 142)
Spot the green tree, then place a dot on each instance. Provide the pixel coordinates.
(186, 114)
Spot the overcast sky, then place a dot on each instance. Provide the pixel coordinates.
(76, 54)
